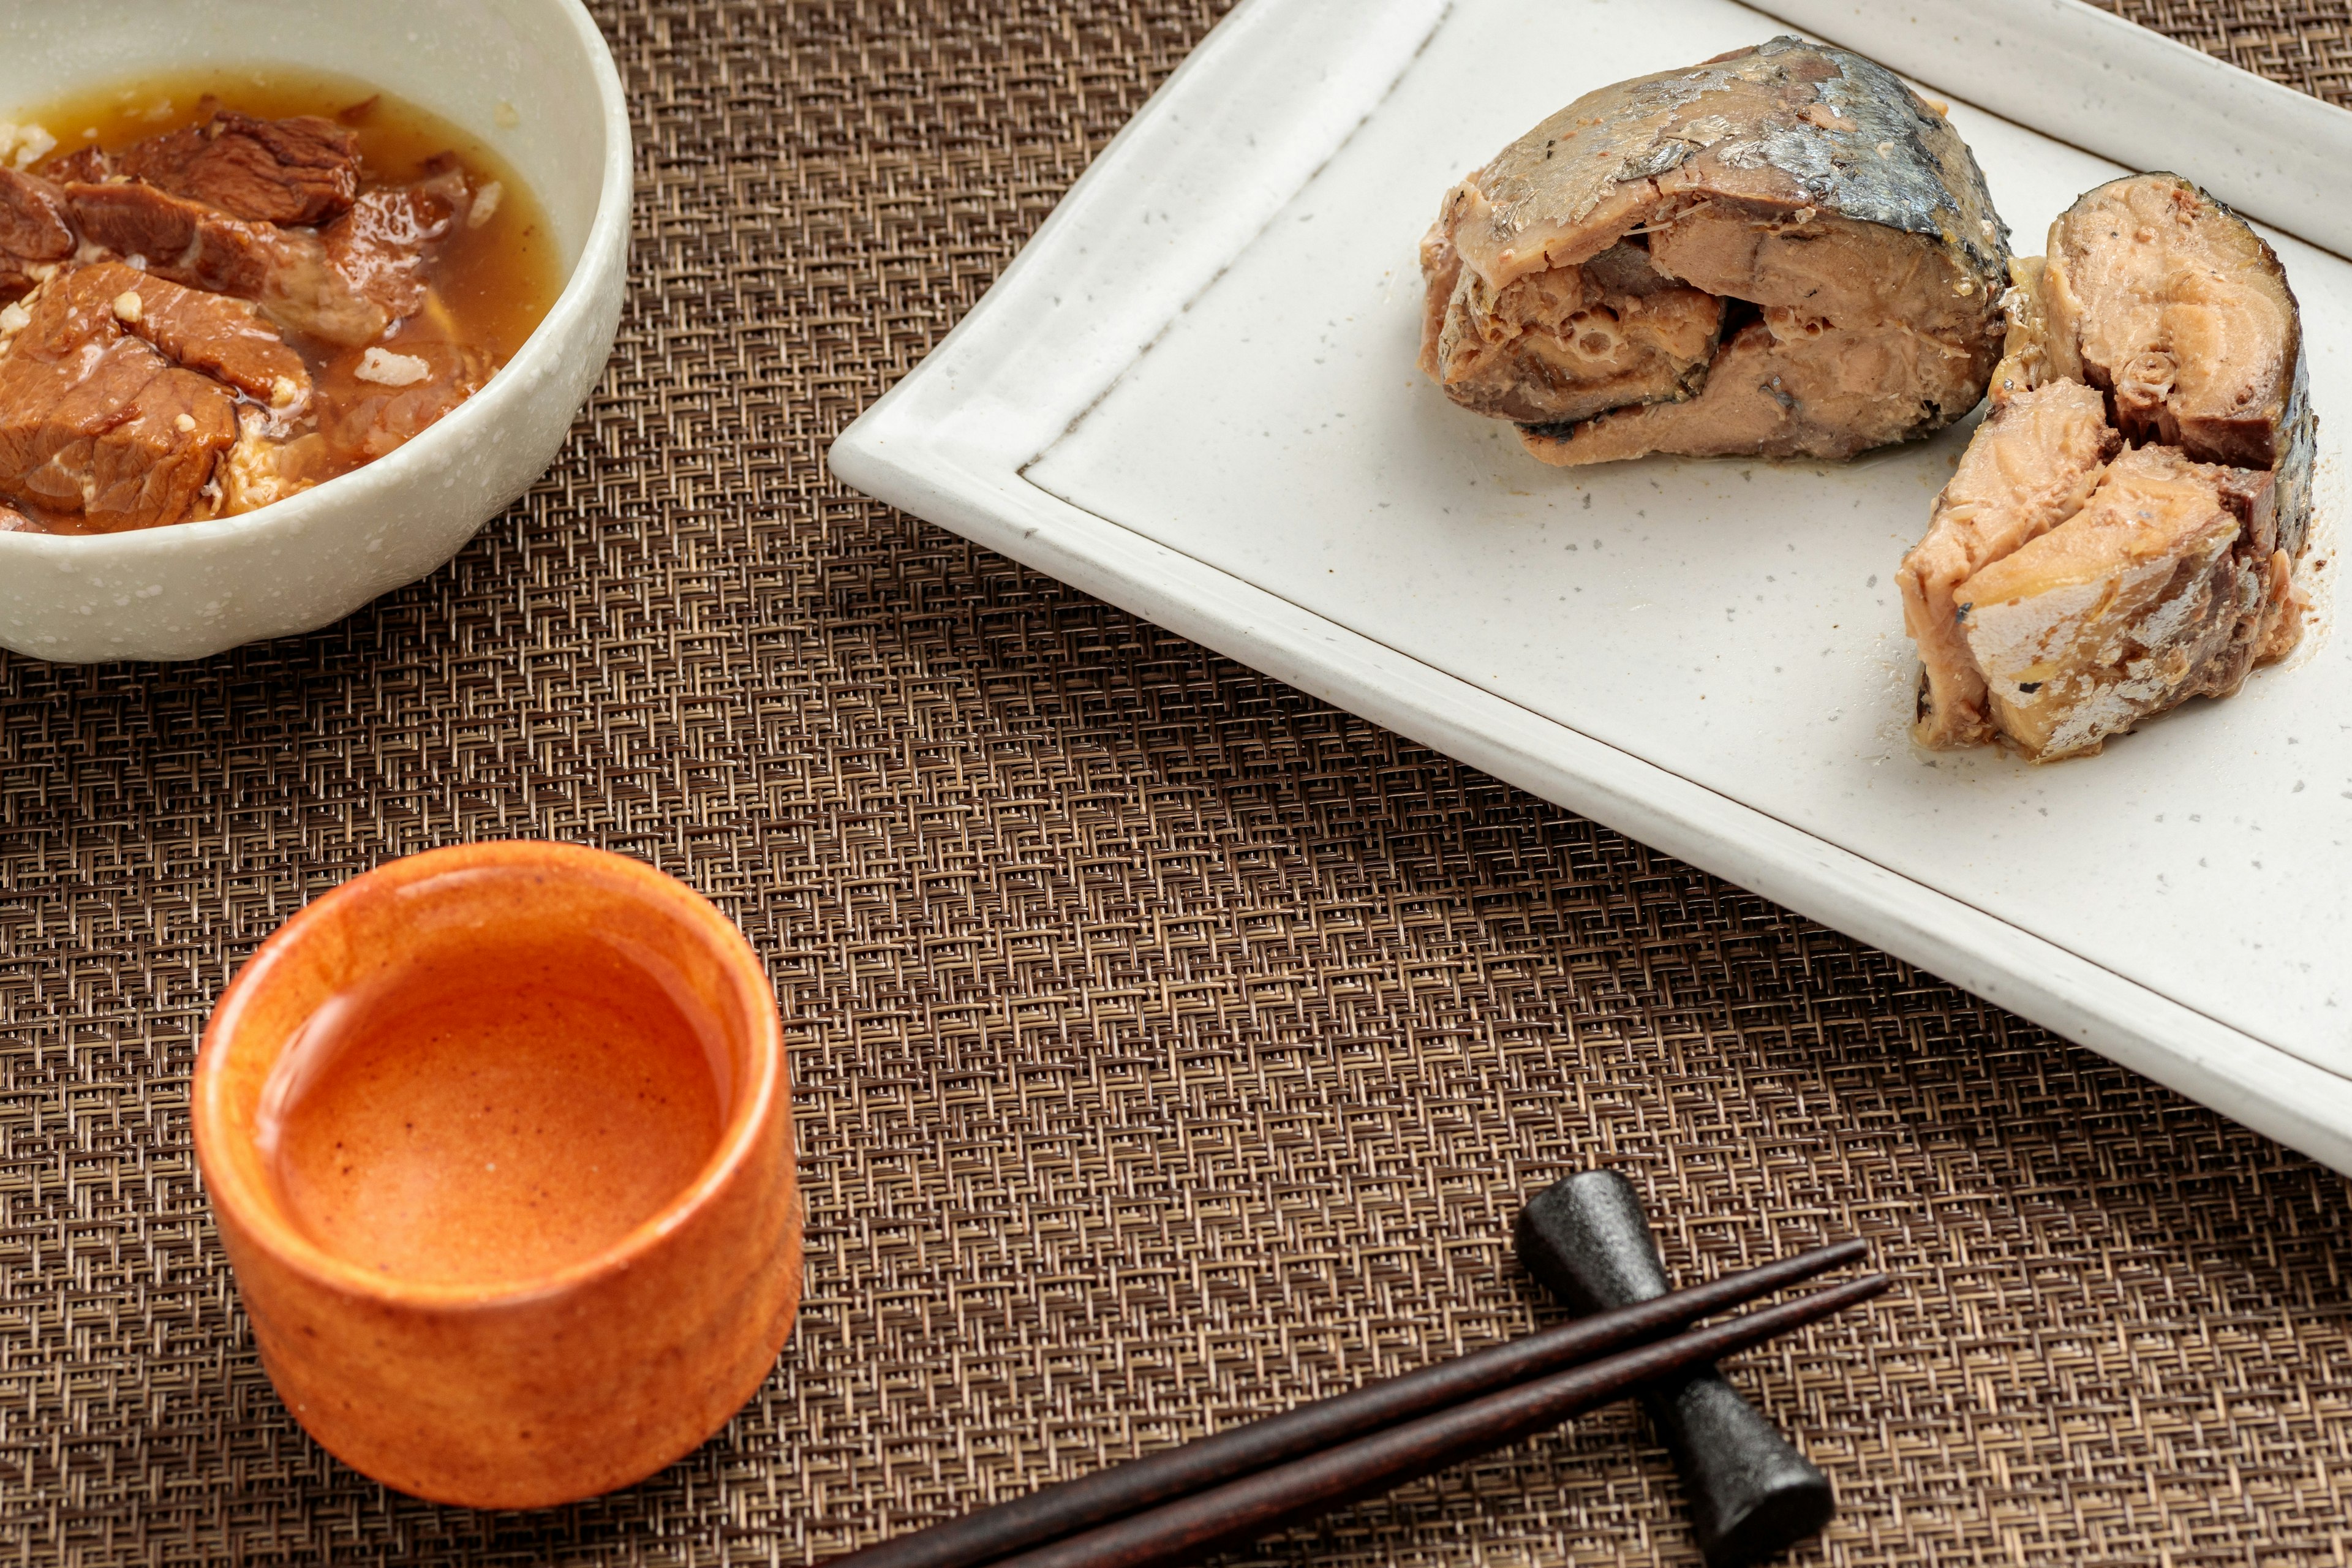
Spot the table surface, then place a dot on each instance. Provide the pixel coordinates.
(1169, 1046)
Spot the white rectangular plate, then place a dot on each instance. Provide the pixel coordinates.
(1194, 394)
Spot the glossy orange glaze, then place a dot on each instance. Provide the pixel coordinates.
(491, 1114)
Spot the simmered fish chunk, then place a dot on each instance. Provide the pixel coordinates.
(2062, 592)
(2032, 465)
(2166, 585)
(2181, 312)
(1568, 343)
(1784, 251)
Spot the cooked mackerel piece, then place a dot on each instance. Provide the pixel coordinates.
(1782, 252)
(2167, 584)
(2166, 300)
(2120, 535)
(2190, 324)
(2032, 465)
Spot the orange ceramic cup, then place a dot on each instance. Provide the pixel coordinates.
(498, 1138)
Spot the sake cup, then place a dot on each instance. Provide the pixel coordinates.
(498, 1140)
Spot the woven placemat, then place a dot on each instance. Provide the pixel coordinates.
(1168, 1044)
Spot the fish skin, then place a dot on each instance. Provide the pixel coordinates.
(1775, 130)
(1843, 172)
(1929, 184)
(2296, 463)
(2298, 425)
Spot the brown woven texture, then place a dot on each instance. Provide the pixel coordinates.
(2299, 42)
(1168, 1045)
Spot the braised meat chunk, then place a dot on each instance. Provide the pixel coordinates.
(226, 338)
(2121, 534)
(1783, 252)
(87, 164)
(287, 273)
(384, 399)
(35, 230)
(381, 248)
(300, 170)
(95, 422)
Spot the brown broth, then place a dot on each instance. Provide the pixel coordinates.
(494, 284)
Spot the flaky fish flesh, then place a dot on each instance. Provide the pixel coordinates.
(2120, 535)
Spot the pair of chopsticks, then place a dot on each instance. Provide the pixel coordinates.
(1186, 1502)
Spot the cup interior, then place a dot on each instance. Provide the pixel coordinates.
(480, 1069)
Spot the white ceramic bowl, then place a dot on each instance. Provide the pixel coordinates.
(195, 588)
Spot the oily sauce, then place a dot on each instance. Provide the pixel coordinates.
(492, 1112)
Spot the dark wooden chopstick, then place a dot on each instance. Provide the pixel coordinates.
(1068, 1507)
(1193, 1527)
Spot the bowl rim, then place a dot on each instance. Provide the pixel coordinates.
(263, 1219)
(603, 249)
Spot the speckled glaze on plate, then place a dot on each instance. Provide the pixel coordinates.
(1194, 394)
(533, 78)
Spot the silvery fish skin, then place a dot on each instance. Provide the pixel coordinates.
(1784, 251)
(2120, 535)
